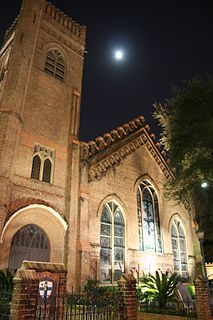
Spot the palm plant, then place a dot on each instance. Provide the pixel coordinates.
(159, 287)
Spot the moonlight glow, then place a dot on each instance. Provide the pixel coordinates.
(118, 55)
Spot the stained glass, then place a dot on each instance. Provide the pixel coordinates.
(157, 224)
(118, 254)
(118, 219)
(111, 265)
(106, 256)
(106, 275)
(117, 274)
(176, 265)
(105, 242)
(110, 205)
(181, 232)
(148, 219)
(119, 231)
(175, 255)
(105, 229)
(141, 247)
(179, 248)
(119, 242)
(105, 217)
(183, 257)
(182, 244)
(174, 231)
(174, 243)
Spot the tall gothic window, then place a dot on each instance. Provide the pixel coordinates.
(54, 64)
(112, 243)
(179, 249)
(148, 218)
(42, 166)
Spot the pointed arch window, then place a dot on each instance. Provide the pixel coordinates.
(42, 166)
(179, 249)
(112, 242)
(55, 64)
(148, 218)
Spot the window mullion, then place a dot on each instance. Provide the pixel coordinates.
(178, 248)
(142, 224)
(41, 170)
(112, 251)
(154, 220)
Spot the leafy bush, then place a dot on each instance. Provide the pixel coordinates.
(6, 280)
(191, 290)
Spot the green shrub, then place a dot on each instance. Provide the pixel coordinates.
(6, 280)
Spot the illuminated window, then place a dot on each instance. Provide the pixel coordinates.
(112, 243)
(179, 249)
(148, 218)
(42, 166)
(54, 64)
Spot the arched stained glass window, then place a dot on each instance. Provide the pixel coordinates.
(29, 243)
(112, 243)
(179, 249)
(148, 218)
(54, 64)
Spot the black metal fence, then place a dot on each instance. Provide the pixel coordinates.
(81, 307)
(175, 307)
(5, 302)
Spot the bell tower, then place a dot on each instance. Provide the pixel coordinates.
(41, 66)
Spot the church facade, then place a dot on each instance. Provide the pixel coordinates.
(98, 207)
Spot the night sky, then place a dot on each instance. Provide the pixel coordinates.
(164, 42)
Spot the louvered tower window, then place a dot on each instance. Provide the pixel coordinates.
(43, 161)
(54, 64)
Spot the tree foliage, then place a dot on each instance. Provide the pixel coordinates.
(159, 287)
(186, 121)
(6, 280)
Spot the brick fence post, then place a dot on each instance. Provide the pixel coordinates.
(202, 298)
(25, 298)
(24, 295)
(127, 289)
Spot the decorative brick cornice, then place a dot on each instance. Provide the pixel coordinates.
(73, 45)
(102, 143)
(64, 23)
(141, 136)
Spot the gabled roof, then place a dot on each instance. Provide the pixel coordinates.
(108, 151)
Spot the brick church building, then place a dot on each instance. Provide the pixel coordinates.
(97, 207)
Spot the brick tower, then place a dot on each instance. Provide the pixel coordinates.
(41, 64)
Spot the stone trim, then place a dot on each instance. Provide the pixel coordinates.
(100, 169)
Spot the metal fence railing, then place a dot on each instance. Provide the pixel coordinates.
(81, 307)
(5, 302)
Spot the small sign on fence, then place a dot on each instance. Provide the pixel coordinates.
(46, 291)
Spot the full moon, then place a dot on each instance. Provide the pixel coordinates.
(118, 55)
